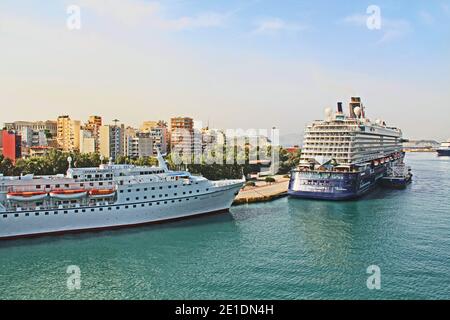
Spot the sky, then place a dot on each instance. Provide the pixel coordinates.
(230, 63)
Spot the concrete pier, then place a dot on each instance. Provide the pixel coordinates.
(263, 191)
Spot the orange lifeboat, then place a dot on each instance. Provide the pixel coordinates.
(102, 193)
(68, 194)
(26, 196)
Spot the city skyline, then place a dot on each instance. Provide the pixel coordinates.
(235, 64)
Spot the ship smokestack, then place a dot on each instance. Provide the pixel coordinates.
(354, 103)
(339, 107)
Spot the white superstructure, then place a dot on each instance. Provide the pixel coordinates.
(349, 141)
(110, 196)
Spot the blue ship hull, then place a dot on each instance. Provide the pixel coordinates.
(444, 153)
(334, 185)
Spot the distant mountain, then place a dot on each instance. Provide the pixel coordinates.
(291, 139)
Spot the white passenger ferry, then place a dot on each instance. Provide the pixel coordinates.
(110, 196)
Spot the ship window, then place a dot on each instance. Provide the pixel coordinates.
(157, 203)
(16, 215)
(165, 202)
(137, 190)
(126, 207)
(160, 195)
(84, 210)
(117, 208)
(75, 177)
(92, 210)
(190, 192)
(143, 205)
(145, 189)
(38, 186)
(81, 184)
(5, 216)
(46, 213)
(91, 184)
(121, 191)
(76, 211)
(57, 186)
(134, 206)
(55, 212)
(100, 183)
(153, 197)
(173, 201)
(198, 191)
(166, 195)
(101, 209)
(170, 187)
(128, 199)
(129, 190)
(175, 194)
(160, 188)
(175, 186)
(47, 186)
(66, 185)
(137, 198)
(187, 199)
(179, 200)
(196, 198)
(65, 212)
(184, 192)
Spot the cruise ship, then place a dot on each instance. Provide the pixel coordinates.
(345, 155)
(444, 149)
(110, 196)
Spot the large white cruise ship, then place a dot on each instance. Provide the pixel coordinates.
(345, 156)
(110, 196)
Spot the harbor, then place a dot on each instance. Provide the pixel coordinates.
(282, 249)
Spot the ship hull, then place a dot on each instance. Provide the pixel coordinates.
(444, 153)
(334, 186)
(114, 216)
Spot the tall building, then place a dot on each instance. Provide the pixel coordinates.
(49, 126)
(12, 145)
(182, 134)
(112, 141)
(159, 139)
(87, 142)
(93, 125)
(68, 135)
(147, 126)
(139, 146)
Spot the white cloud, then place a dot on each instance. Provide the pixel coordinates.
(391, 29)
(276, 25)
(139, 12)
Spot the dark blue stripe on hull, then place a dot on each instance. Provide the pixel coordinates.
(443, 153)
(341, 186)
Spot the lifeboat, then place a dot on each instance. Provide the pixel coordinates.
(102, 193)
(26, 196)
(69, 194)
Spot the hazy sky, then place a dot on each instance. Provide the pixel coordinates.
(240, 64)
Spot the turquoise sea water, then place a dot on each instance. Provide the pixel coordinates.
(287, 249)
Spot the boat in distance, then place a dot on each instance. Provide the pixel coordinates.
(107, 197)
(346, 155)
(444, 149)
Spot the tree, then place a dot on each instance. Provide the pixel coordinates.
(270, 180)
